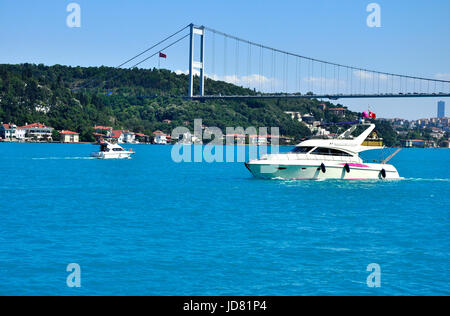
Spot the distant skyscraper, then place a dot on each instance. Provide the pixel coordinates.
(441, 109)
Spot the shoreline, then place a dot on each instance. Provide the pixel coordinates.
(142, 144)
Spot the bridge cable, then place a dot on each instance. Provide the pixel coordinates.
(150, 48)
(285, 61)
(261, 67)
(300, 75)
(157, 53)
(237, 62)
(365, 81)
(214, 55)
(317, 60)
(351, 82)
(249, 65)
(225, 48)
(338, 76)
(286, 88)
(168, 46)
(272, 75)
(138, 55)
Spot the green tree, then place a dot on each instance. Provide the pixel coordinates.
(56, 136)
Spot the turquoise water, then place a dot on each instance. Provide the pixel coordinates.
(151, 226)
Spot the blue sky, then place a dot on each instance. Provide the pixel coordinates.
(413, 38)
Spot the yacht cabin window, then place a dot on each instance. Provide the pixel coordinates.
(301, 150)
(329, 152)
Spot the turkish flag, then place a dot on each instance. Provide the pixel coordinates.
(162, 55)
(372, 115)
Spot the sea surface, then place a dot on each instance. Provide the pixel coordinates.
(150, 226)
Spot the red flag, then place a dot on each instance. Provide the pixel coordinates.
(372, 115)
(162, 55)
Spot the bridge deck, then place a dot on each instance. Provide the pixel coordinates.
(325, 96)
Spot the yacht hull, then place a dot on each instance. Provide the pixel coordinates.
(308, 171)
(109, 155)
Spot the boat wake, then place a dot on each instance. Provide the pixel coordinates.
(63, 158)
(337, 180)
(426, 180)
(380, 181)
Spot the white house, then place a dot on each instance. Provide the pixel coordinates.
(258, 140)
(160, 138)
(38, 131)
(294, 115)
(12, 133)
(320, 131)
(127, 137)
(69, 137)
(123, 136)
(117, 134)
(308, 119)
(235, 138)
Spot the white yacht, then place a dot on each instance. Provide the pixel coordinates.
(332, 158)
(111, 151)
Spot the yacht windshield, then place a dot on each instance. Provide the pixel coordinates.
(104, 148)
(301, 150)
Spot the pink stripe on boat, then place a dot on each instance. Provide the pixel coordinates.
(355, 165)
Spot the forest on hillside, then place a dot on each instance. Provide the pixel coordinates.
(78, 98)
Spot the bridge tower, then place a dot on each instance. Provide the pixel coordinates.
(200, 65)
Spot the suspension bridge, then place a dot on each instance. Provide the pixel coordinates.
(268, 72)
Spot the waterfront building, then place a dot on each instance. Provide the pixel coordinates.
(160, 138)
(419, 143)
(446, 144)
(69, 137)
(116, 135)
(414, 143)
(103, 130)
(123, 136)
(11, 132)
(141, 138)
(128, 137)
(259, 140)
(38, 132)
(430, 144)
(235, 139)
(196, 140)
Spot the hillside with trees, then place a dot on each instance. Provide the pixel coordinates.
(78, 98)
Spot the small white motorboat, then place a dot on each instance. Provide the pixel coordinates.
(317, 159)
(111, 151)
